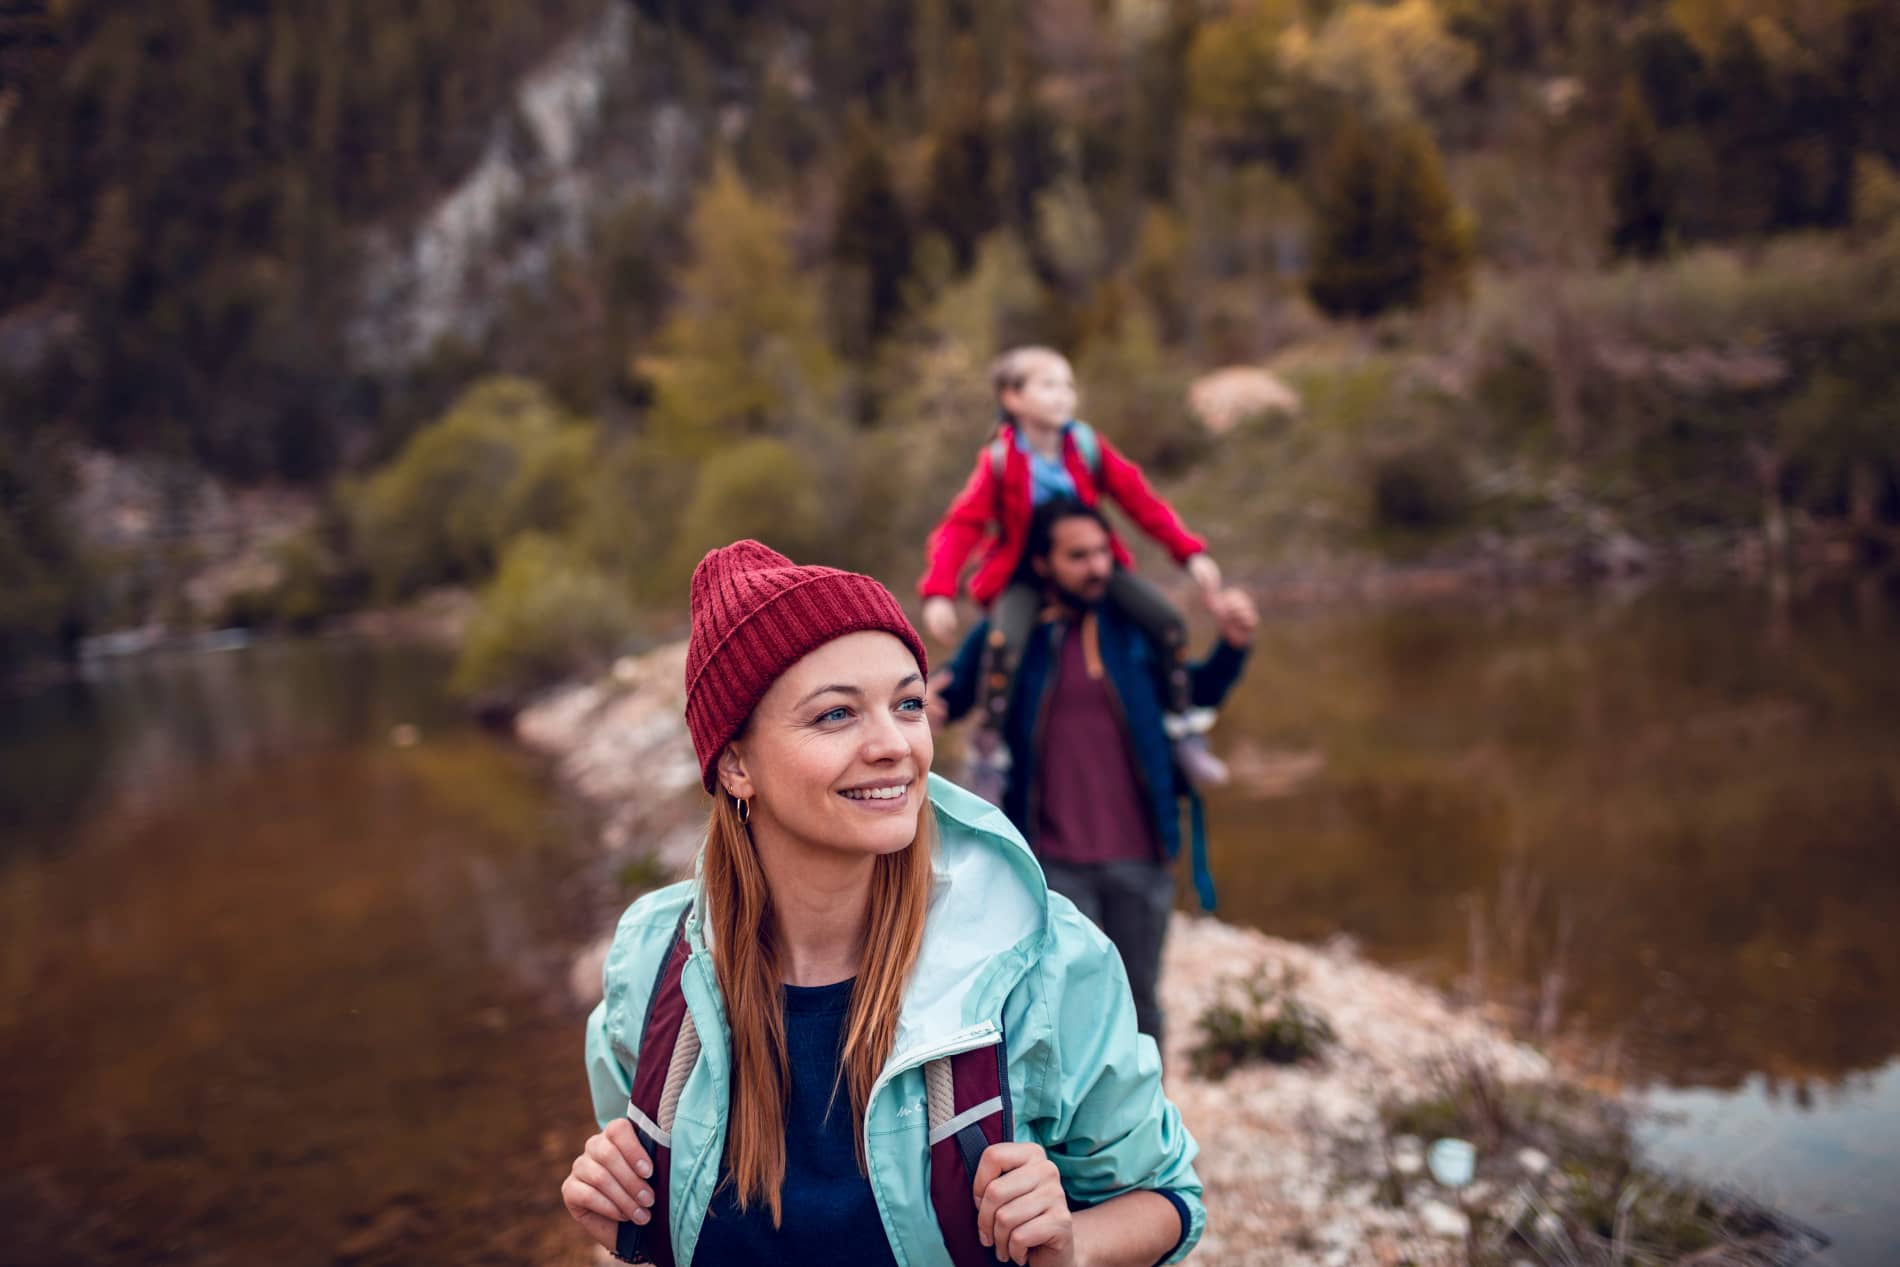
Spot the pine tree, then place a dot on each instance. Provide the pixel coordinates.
(1388, 233)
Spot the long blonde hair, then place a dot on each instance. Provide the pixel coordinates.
(745, 955)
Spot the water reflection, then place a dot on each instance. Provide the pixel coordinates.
(1660, 823)
(1647, 810)
(281, 989)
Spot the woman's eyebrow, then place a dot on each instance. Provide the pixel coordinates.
(844, 688)
(840, 687)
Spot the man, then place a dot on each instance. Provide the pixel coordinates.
(1095, 789)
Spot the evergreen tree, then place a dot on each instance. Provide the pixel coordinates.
(1639, 199)
(960, 197)
(1388, 233)
(744, 353)
(870, 238)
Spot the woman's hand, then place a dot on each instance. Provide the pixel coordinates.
(940, 619)
(1021, 1210)
(608, 1185)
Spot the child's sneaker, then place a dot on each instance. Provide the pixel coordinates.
(1189, 733)
(986, 766)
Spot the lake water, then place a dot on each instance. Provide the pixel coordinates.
(275, 987)
(1659, 826)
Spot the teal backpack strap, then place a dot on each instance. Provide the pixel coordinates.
(1089, 445)
(1197, 835)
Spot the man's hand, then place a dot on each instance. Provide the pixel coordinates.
(1236, 617)
(934, 707)
(940, 619)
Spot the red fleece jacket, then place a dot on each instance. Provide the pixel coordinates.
(1000, 511)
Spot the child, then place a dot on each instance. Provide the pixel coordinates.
(1041, 451)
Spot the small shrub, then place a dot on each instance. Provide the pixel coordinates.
(1271, 1023)
(1420, 489)
(547, 615)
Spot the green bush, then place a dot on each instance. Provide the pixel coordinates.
(546, 616)
(763, 489)
(1420, 489)
(1271, 1023)
(504, 460)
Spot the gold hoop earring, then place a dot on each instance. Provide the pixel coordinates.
(744, 807)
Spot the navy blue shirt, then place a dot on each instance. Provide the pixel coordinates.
(829, 1214)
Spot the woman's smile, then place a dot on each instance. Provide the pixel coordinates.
(884, 796)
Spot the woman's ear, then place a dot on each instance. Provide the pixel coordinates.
(732, 774)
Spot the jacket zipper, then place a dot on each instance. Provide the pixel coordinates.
(977, 1036)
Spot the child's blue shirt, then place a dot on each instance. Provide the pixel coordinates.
(1047, 479)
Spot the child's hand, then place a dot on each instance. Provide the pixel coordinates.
(940, 618)
(1206, 574)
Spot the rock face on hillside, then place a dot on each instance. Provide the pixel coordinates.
(581, 135)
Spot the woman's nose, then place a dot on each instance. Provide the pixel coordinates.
(884, 740)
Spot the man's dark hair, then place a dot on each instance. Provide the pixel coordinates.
(1042, 525)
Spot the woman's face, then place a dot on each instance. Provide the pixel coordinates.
(835, 755)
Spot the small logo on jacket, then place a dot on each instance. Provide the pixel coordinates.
(911, 1110)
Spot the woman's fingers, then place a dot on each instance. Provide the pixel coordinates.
(605, 1152)
(1008, 1218)
(622, 1136)
(1054, 1229)
(597, 1177)
(1010, 1173)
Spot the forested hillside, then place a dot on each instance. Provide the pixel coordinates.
(1513, 254)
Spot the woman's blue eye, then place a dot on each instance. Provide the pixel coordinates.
(834, 714)
(914, 703)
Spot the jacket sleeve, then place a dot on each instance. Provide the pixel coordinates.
(960, 696)
(1093, 1094)
(959, 532)
(1125, 482)
(1211, 679)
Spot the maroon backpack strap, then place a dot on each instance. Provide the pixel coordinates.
(669, 1045)
(968, 1099)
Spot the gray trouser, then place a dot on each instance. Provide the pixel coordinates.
(1131, 902)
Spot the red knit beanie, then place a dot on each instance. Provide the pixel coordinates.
(755, 614)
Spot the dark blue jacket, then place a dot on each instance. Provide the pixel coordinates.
(1134, 667)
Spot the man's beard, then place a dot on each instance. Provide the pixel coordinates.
(1077, 602)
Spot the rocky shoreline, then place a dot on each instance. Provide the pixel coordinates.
(1319, 1163)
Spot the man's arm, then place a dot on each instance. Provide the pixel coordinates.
(1212, 678)
(953, 689)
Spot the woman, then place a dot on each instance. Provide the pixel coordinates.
(788, 1064)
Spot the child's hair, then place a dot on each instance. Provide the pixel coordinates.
(1012, 369)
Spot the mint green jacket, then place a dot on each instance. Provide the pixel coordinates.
(1003, 960)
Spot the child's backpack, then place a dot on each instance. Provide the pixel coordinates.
(962, 1093)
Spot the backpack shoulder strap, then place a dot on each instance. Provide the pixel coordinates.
(1089, 445)
(967, 1096)
(669, 1047)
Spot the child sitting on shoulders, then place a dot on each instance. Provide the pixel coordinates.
(1041, 451)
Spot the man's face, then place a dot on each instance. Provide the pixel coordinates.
(1080, 561)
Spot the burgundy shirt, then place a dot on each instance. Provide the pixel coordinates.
(1090, 807)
